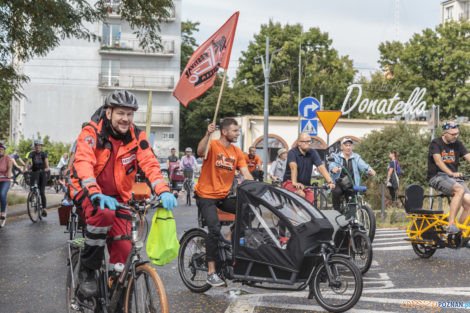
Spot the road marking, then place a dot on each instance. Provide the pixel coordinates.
(388, 230)
(394, 234)
(392, 237)
(395, 242)
(383, 279)
(393, 248)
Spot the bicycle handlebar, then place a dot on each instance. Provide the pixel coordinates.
(317, 187)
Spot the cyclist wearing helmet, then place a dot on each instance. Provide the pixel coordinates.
(443, 174)
(40, 165)
(188, 163)
(109, 150)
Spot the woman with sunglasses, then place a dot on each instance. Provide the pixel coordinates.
(443, 163)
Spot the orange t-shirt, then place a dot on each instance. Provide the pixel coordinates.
(218, 170)
(251, 163)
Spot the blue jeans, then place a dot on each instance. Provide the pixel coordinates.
(4, 187)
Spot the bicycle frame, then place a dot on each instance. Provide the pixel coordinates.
(119, 286)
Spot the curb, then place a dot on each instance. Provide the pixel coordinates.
(11, 212)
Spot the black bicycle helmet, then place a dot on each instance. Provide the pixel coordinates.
(121, 98)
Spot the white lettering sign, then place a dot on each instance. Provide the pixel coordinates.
(394, 105)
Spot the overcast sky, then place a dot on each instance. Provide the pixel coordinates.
(357, 27)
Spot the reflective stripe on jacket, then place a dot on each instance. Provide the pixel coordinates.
(93, 153)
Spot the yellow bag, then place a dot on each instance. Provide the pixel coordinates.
(162, 242)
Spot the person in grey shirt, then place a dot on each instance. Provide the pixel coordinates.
(278, 167)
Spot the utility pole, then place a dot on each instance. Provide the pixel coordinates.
(300, 84)
(267, 70)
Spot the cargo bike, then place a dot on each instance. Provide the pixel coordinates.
(279, 241)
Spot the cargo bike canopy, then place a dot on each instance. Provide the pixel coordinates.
(274, 227)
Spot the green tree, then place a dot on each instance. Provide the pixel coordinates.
(412, 144)
(34, 28)
(188, 42)
(434, 59)
(5, 98)
(323, 70)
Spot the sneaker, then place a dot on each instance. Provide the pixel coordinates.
(87, 282)
(44, 213)
(3, 219)
(452, 229)
(214, 280)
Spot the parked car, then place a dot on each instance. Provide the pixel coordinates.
(163, 166)
(199, 166)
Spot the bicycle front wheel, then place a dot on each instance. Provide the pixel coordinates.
(366, 216)
(343, 291)
(361, 252)
(33, 206)
(145, 293)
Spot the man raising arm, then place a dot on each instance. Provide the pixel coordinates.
(215, 181)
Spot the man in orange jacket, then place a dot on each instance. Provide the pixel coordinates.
(109, 150)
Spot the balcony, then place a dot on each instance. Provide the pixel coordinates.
(137, 82)
(131, 47)
(159, 118)
(113, 7)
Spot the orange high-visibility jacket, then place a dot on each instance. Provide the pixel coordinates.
(94, 151)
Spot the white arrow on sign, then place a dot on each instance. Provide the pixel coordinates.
(313, 107)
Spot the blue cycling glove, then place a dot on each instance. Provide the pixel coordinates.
(168, 200)
(105, 201)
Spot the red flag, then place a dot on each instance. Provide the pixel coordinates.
(200, 72)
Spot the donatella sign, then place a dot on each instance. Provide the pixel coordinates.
(394, 105)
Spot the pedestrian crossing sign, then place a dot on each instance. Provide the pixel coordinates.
(309, 126)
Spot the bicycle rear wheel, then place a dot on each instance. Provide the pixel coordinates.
(344, 291)
(366, 216)
(145, 294)
(33, 206)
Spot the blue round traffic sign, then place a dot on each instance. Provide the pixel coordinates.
(308, 107)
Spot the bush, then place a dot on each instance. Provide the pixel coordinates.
(412, 144)
(54, 150)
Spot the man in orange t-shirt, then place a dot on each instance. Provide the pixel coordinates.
(254, 164)
(215, 181)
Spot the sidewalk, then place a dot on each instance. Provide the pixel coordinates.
(53, 201)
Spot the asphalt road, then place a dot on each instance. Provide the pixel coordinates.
(33, 269)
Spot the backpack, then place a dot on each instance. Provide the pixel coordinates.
(399, 171)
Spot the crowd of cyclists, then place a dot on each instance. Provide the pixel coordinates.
(110, 150)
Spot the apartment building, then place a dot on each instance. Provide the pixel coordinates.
(70, 83)
(455, 10)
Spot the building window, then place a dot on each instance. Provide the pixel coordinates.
(168, 136)
(110, 73)
(274, 144)
(450, 12)
(466, 10)
(111, 35)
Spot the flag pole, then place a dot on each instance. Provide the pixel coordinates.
(216, 111)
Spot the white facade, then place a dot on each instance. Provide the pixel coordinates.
(455, 10)
(70, 83)
(283, 132)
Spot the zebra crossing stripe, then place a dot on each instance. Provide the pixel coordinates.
(398, 248)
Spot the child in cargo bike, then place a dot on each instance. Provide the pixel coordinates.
(213, 187)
